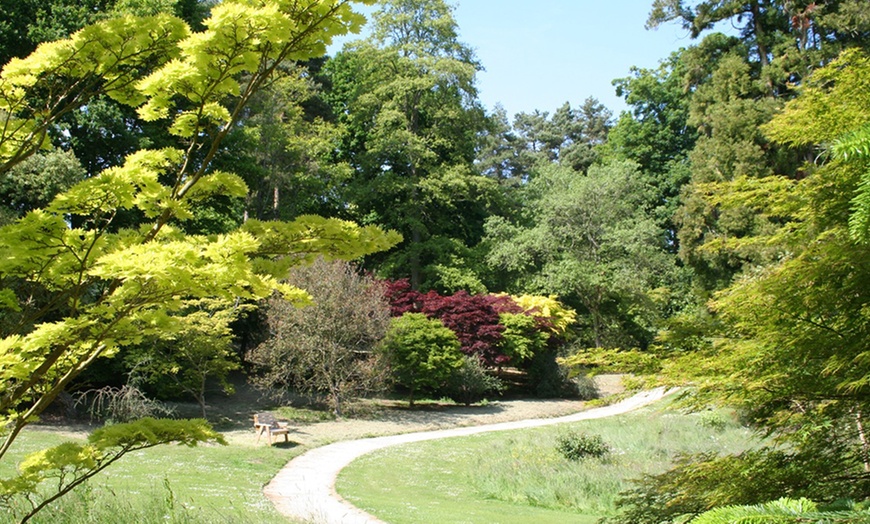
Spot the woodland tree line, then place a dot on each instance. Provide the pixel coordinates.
(172, 168)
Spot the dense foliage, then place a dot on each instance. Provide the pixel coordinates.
(104, 264)
(421, 352)
(168, 165)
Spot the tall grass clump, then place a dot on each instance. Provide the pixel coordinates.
(541, 468)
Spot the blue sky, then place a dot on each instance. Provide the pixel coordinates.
(538, 54)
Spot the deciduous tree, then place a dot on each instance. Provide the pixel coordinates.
(408, 100)
(326, 348)
(588, 239)
(421, 352)
(186, 359)
(78, 286)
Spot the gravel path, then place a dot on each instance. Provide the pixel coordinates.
(305, 488)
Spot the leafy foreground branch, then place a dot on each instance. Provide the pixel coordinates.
(790, 348)
(107, 264)
(68, 465)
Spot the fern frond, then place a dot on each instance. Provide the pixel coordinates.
(859, 220)
(855, 146)
(782, 511)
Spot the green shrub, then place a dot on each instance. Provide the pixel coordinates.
(577, 446)
(522, 337)
(714, 420)
(421, 352)
(471, 382)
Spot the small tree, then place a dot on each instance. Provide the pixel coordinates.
(471, 382)
(421, 352)
(522, 337)
(326, 348)
(200, 350)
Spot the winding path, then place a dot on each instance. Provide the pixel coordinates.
(305, 488)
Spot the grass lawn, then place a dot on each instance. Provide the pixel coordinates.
(168, 484)
(520, 476)
(176, 484)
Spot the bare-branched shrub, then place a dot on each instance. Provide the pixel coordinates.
(325, 349)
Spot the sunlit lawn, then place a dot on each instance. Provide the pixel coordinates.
(520, 477)
(512, 477)
(168, 483)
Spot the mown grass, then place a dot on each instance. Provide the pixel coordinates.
(520, 476)
(174, 484)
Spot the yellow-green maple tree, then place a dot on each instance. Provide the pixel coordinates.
(75, 285)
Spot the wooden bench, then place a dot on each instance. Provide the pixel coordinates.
(266, 423)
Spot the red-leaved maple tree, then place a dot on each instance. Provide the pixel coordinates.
(474, 318)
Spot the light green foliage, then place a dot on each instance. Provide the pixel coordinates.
(832, 110)
(421, 352)
(86, 286)
(613, 361)
(102, 58)
(733, 86)
(784, 511)
(522, 337)
(69, 464)
(557, 315)
(27, 23)
(187, 356)
(813, 300)
(855, 147)
(791, 348)
(832, 102)
(588, 239)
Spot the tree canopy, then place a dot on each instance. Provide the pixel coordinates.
(79, 283)
(167, 165)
